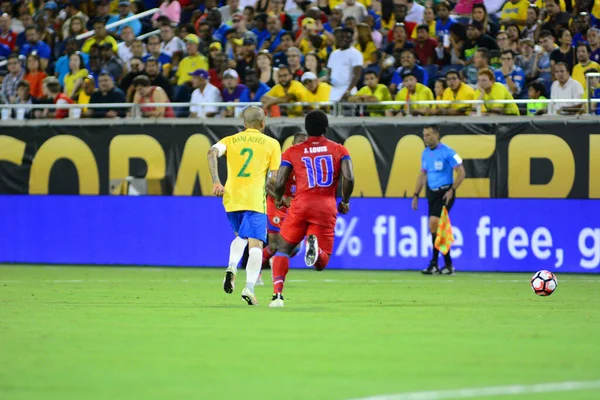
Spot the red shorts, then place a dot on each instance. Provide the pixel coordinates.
(275, 217)
(295, 227)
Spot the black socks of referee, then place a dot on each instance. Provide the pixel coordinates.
(436, 253)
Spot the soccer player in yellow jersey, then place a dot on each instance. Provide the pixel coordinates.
(456, 90)
(251, 155)
(489, 89)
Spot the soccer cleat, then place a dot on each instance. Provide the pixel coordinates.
(259, 281)
(249, 297)
(276, 301)
(432, 269)
(229, 280)
(312, 251)
(447, 270)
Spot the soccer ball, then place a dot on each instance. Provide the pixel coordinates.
(544, 283)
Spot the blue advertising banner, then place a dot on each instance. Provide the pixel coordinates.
(491, 234)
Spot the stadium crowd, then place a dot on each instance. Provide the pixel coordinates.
(286, 51)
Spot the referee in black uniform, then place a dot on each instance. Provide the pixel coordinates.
(438, 164)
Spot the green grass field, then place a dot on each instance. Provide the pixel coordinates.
(134, 333)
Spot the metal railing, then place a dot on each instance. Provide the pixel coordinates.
(333, 108)
(118, 23)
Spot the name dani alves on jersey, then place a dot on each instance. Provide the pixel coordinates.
(250, 139)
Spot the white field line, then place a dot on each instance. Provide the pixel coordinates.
(489, 391)
(423, 281)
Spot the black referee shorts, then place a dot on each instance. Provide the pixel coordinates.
(436, 201)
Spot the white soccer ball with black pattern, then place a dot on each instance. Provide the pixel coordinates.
(544, 283)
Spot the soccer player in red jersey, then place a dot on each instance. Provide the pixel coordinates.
(317, 164)
(275, 216)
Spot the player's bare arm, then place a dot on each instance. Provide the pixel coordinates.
(460, 177)
(213, 166)
(421, 179)
(347, 185)
(280, 180)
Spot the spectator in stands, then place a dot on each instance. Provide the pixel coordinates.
(287, 41)
(316, 92)
(191, 63)
(108, 94)
(315, 38)
(526, 59)
(34, 74)
(439, 87)
(42, 50)
(260, 29)
(221, 64)
(294, 58)
(137, 69)
(152, 70)
(593, 36)
(51, 90)
(351, 8)
(365, 42)
(89, 87)
(476, 39)
(7, 36)
(565, 52)
(509, 74)
(480, 14)
(95, 69)
(536, 91)
(533, 27)
(227, 11)
(400, 12)
(415, 11)
(26, 20)
(125, 12)
(585, 64)
(248, 59)
(145, 93)
(565, 87)
(372, 92)
(375, 34)
(399, 40)
(312, 63)
(232, 91)
(204, 92)
(219, 28)
(582, 24)
(456, 90)
(22, 97)
(72, 12)
(515, 12)
(287, 90)
(513, 34)
(425, 46)
(273, 41)
(12, 79)
(481, 60)
(170, 9)
(412, 91)
(557, 20)
(543, 67)
(100, 37)
(171, 44)
(255, 89)
(489, 90)
(345, 66)
(73, 81)
(102, 13)
(111, 62)
(124, 51)
(265, 69)
(164, 60)
(335, 20)
(45, 22)
(409, 63)
(444, 21)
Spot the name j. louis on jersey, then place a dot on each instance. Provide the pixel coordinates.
(313, 150)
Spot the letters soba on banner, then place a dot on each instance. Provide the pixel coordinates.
(506, 162)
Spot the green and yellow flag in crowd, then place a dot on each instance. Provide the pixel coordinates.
(444, 237)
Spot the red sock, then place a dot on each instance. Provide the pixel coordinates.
(266, 256)
(281, 266)
(322, 261)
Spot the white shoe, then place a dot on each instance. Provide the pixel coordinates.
(277, 301)
(249, 297)
(259, 281)
(229, 280)
(311, 255)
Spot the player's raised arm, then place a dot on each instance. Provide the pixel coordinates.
(216, 151)
(347, 184)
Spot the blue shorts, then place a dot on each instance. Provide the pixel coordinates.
(249, 224)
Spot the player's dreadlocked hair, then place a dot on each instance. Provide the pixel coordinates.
(316, 123)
